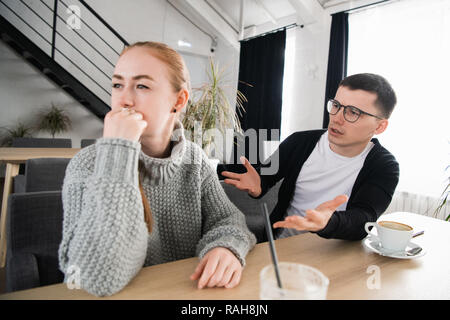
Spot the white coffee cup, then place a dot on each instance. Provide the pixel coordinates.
(393, 236)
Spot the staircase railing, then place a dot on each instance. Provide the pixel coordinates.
(91, 57)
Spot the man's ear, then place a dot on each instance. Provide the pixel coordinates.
(382, 125)
(182, 99)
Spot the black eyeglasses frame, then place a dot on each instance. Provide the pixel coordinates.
(349, 107)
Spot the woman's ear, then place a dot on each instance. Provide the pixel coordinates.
(182, 99)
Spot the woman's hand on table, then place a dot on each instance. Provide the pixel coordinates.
(218, 268)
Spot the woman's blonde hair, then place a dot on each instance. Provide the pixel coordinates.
(179, 79)
(178, 72)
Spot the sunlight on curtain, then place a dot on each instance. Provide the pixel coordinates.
(408, 43)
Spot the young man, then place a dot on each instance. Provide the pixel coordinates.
(343, 163)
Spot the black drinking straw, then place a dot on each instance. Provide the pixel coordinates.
(272, 245)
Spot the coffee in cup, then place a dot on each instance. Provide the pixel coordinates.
(395, 225)
(393, 236)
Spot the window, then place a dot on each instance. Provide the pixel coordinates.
(408, 42)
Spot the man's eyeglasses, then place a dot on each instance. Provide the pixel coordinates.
(351, 114)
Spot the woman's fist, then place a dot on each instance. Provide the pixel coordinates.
(124, 123)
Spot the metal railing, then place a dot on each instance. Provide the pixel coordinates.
(59, 41)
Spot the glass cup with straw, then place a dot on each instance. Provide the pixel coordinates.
(288, 280)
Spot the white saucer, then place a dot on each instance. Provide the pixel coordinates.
(377, 248)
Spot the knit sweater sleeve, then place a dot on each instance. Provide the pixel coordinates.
(223, 223)
(104, 233)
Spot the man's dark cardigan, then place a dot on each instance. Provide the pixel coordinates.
(370, 196)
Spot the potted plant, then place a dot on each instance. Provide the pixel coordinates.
(210, 108)
(19, 131)
(54, 121)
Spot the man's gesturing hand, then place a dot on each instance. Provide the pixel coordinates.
(218, 268)
(315, 219)
(249, 181)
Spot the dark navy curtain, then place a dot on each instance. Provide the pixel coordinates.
(337, 58)
(261, 71)
(261, 65)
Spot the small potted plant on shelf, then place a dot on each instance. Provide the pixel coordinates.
(19, 131)
(54, 121)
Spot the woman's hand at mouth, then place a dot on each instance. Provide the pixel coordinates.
(124, 123)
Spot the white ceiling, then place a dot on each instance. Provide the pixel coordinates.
(259, 12)
(222, 17)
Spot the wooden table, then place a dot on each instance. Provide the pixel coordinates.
(13, 157)
(345, 263)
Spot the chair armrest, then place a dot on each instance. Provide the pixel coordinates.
(21, 272)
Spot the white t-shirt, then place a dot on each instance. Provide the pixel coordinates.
(324, 175)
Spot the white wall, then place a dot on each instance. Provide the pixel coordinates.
(309, 78)
(157, 20)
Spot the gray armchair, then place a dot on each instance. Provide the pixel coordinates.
(252, 207)
(34, 231)
(87, 142)
(38, 143)
(42, 174)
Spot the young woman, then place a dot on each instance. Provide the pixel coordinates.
(143, 194)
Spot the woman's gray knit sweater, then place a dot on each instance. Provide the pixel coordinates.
(105, 237)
